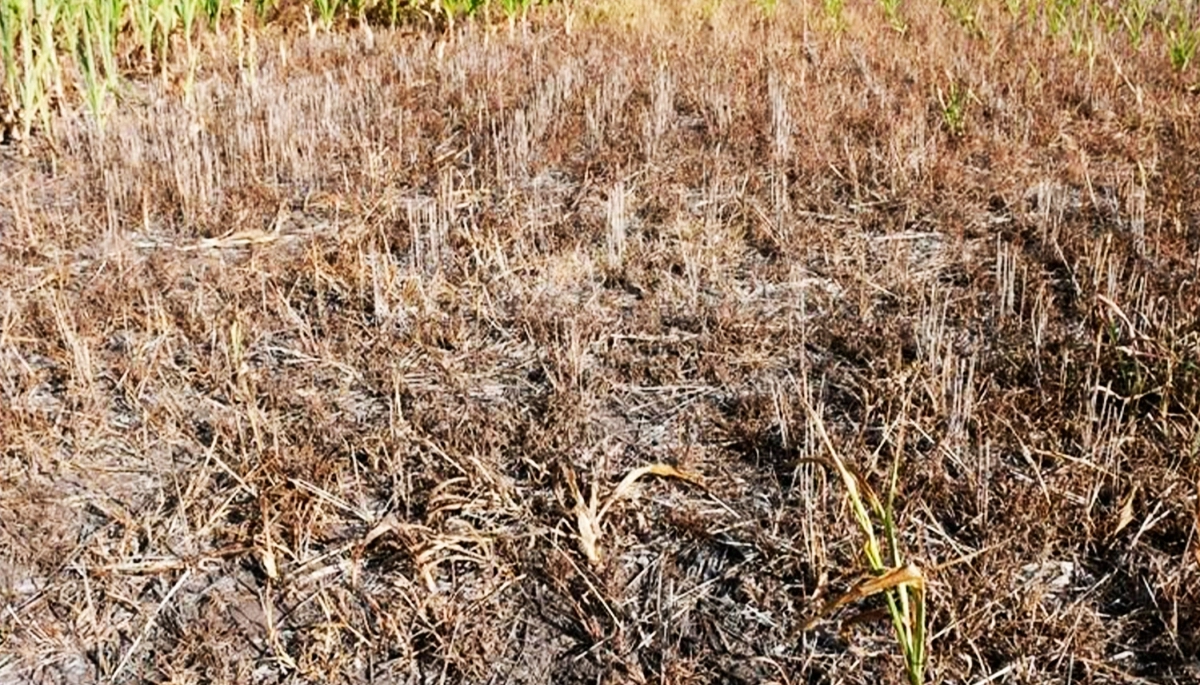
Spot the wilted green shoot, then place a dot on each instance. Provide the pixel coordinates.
(902, 584)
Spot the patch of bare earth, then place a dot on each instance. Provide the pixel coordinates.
(295, 377)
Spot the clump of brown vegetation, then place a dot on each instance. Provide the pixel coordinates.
(333, 374)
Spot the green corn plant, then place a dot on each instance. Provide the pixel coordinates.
(143, 13)
(393, 12)
(326, 12)
(1083, 42)
(237, 9)
(891, 11)
(9, 31)
(212, 12)
(245, 39)
(1134, 15)
(454, 8)
(902, 583)
(964, 12)
(12, 26)
(95, 85)
(1183, 34)
(834, 13)
(768, 7)
(1109, 18)
(954, 108)
(513, 9)
(31, 96)
(46, 16)
(112, 17)
(166, 19)
(1181, 46)
(188, 11)
(359, 10)
(70, 27)
(1059, 14)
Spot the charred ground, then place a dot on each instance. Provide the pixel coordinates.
(296, 371)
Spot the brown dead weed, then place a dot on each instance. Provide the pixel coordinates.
(292, 374)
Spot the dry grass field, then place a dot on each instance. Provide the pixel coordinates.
(332, 369)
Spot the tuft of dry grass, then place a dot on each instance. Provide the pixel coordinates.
(293, 369)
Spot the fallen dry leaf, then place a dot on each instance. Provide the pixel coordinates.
(909, 575)
(1126, 515)
(587, 518)
(664, 470)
